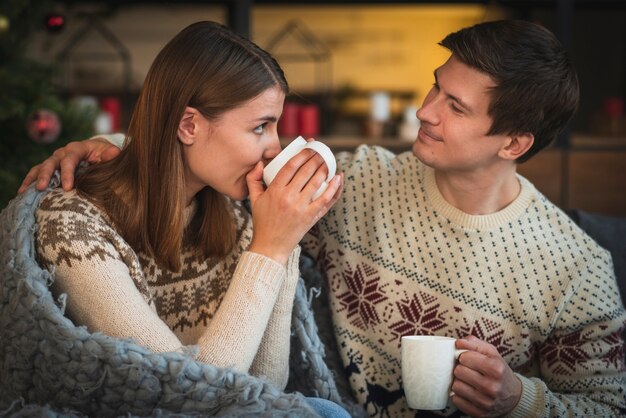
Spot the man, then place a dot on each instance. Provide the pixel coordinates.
(448, 240)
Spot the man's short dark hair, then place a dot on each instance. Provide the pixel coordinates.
(537, 86)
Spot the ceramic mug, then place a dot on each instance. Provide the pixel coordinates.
(297, 145)
(427, 365)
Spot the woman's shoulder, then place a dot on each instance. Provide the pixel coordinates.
(59, 207)
(71, 229)
(71, 202)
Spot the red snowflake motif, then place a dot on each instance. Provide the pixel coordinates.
(421, 315)
(564, 353)
(491, 332)
(363, 294)
(615, 356)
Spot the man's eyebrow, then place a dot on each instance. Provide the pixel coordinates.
(460, 102)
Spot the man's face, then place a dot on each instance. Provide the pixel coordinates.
(454, 121)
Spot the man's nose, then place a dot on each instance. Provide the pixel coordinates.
(428, 112)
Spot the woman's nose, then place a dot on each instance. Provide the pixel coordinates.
(273, 149)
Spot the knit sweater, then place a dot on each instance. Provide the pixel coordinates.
(400, 261)
(236, 309)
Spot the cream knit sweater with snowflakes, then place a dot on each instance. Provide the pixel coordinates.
(237, 309)
(400, 261)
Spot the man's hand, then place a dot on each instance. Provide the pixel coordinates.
(484, 385)
(67, 158)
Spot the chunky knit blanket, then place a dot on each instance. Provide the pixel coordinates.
(50, 367)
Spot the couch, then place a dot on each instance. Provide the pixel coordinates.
(50, 367)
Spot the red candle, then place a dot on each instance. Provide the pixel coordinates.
(111, 105)
(288, 125)
(309, 121)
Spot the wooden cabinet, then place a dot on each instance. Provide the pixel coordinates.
(589, 179)
(545, 171)
(596, 181)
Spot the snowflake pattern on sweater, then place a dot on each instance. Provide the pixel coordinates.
(401, 261)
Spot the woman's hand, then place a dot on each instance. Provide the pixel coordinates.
(66, 159)
(285, 211)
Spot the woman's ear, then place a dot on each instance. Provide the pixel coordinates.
(516, 146)
(188, 127)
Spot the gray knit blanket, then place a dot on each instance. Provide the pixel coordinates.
(51, 367)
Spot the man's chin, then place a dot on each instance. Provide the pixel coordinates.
(423, 155)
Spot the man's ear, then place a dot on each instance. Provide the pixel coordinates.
(188, 127)
(517, 145)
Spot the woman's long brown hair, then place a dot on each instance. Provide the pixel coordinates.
(207, 67)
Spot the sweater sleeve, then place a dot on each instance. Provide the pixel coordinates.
(114, 139)
(272, 358)
(582, 367)
(95, 267)
(234, 335)
(90, 266)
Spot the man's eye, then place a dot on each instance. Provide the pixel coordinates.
(455, 109)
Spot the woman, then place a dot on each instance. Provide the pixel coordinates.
(156, 244)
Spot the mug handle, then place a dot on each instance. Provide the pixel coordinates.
(323, 150)
(457, 354)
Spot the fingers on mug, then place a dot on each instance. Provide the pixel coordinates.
(457, 354)
(297, 145)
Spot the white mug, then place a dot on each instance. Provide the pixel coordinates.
(427, 365)
(297, 145)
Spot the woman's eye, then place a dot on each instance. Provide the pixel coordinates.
(455, 109)
(259, 129)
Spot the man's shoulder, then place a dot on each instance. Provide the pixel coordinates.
(558, 227)
(607, 232)
(371, 160)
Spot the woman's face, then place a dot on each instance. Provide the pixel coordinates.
(226, 149)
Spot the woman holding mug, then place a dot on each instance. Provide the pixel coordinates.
(156, 244)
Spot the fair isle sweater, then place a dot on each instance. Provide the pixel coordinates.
(236, 310)
(401, 261)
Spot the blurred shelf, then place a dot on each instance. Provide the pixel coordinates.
(578, 142)
(350, 143)
(598, 142)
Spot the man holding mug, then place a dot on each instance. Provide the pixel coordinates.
(448, 240)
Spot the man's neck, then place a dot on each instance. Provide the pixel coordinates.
(479, 193)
